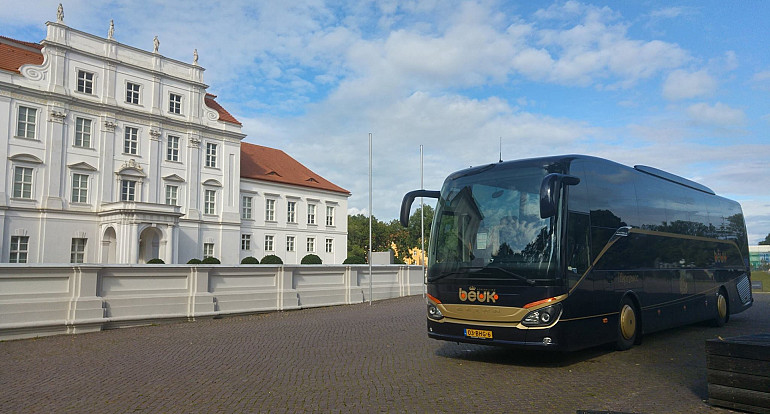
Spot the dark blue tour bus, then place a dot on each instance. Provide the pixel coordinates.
(573, 251)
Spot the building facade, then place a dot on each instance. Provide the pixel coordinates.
(759, 256)
(119, 155)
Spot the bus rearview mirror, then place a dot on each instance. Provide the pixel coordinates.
(406, 203)
(549, 190)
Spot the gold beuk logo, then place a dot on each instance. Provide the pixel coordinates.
(481, 296)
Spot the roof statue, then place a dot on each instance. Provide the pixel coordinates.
(155, 42)
(60, 13)
(111, 32)
(195, 57)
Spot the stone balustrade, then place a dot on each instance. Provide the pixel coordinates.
(39, 300)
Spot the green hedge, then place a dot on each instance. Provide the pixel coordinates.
(354, 260)
(250, 260)
(156, 261)
(311, 259)
(194, 261)
(210, 260)
(271, 259)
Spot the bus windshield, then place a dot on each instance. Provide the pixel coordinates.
(488, 226)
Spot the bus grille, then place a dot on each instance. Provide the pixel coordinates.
(744, 289)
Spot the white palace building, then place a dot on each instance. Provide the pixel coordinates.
(114, 154)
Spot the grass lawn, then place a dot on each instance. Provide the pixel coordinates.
(763, 277)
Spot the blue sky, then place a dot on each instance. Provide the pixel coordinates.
(681, 86)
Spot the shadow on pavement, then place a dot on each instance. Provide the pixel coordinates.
(513, 356)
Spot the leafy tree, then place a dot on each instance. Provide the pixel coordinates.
(765, 242)
(387, 235)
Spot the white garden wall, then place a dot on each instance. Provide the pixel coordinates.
(38, 300)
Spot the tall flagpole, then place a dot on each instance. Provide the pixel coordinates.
(370, 219)
(422, 228)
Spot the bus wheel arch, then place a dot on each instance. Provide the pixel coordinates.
(722, 314)
(629, 330)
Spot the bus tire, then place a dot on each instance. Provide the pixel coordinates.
(628, 325)
(723, 309)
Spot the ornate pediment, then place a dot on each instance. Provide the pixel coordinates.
(28, 158)
(174, 178)
(212, 183)
(133, 168)
(83, 166)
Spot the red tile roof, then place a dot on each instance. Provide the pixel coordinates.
(270, 164)
(16, 53)
(223, 114)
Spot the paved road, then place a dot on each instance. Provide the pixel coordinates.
(356, 358)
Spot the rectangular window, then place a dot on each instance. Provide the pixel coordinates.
(132, 93)
(289, 243)
(329, 245)
(208, 250)
(79, 188)
(172, 148)
(211, 155)
(311, 214)
(245, 241)
(311, 244)
(127, 190)
(269, 243)
(19, 249)
(131, 141)
(172, 193)
(269, 210)
(175, 103)
(209, 202)
(85, 82)
(83, 132)
(22, 182)
(25, 128)
(246, 208)
(78, 251)
(291, 212)
(329, 216)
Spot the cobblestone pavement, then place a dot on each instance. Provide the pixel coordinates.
(357, 358)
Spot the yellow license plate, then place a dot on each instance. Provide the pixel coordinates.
(478, 333)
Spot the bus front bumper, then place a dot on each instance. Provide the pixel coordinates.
(544, 339)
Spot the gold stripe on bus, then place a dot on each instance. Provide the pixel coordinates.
(651, 233)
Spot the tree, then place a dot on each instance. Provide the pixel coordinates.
(765, 242)
(387, 236)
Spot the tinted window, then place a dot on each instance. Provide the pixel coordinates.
(611, 195)
(652, 204)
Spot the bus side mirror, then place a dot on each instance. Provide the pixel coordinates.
(406, 203)
(549, 190)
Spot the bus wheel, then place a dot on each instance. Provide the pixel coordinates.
(627, 325)
(722, 313)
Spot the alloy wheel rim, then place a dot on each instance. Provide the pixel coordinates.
(627, 322)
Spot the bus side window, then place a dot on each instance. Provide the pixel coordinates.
(577, 246)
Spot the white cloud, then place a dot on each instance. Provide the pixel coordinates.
(681, 84)
(718, 114)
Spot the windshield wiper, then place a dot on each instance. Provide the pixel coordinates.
(516, 275)
(480, 269)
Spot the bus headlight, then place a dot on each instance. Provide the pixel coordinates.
(543, 316)
(434, 313)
